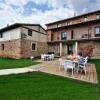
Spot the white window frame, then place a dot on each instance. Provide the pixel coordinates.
(64, 35)
(98, 30)
(97, 16)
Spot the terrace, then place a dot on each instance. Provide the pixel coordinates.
(52, 67)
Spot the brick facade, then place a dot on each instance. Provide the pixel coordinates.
(82, 29)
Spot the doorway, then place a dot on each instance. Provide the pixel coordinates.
(69, 48)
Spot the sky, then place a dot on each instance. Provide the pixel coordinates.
(43, 11)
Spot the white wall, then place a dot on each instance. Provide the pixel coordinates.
(38, 37)
(37, 28)
(11, 34)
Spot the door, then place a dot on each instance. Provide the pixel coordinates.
(69, 48)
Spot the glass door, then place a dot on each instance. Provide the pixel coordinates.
(69, 48)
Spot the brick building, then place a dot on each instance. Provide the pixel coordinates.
(23, 40)
(77, 34)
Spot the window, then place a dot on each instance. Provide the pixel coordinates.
(63, 35)
(72, 34)
(98, 16)
(85, 18)
(97, 30)
(1, 35)
(29, 32)
(52, 37)
(33, 46)
(2, 46)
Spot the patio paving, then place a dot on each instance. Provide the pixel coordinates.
(52, 67)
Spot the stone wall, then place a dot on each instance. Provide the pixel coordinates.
(22, 49)
(26, 48)
(11, 49)
(90, 48)
(97, 50)
(54, 47)
(87, 48)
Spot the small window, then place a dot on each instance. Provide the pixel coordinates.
(33, 46)
(63, 35)
(85, 18)
(30, 32)
(1, 35)
(52, 37)
(2, 46)
(98, 16)
(97, 30)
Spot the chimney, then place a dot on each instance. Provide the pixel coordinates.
(7, 25)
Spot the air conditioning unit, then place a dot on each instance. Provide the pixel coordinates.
(23, 35)
(86, 35)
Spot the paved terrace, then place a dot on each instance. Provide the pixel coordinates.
(52, 67)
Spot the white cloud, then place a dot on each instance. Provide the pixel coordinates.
(61, 9)
(16, 2)
(83, 6)
(10, 15)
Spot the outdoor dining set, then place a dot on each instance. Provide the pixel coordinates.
(75, 65)
(47, 57)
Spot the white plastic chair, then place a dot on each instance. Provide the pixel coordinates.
(43, 57)
(61, 63)
(52, 55)
(69, 65)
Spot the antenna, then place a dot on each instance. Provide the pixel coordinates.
(74, 14)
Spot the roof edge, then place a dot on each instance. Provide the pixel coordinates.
(97, 11)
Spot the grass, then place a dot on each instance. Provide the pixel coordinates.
(16, 63)
(97, 63)
(41, 86)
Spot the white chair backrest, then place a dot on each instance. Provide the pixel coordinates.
(69, 62)
(52, 55)
(42, 55)
(86, 59)
(61, 61)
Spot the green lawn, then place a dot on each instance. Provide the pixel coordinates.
(16, 63)
(97, 63)
(41, 86)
